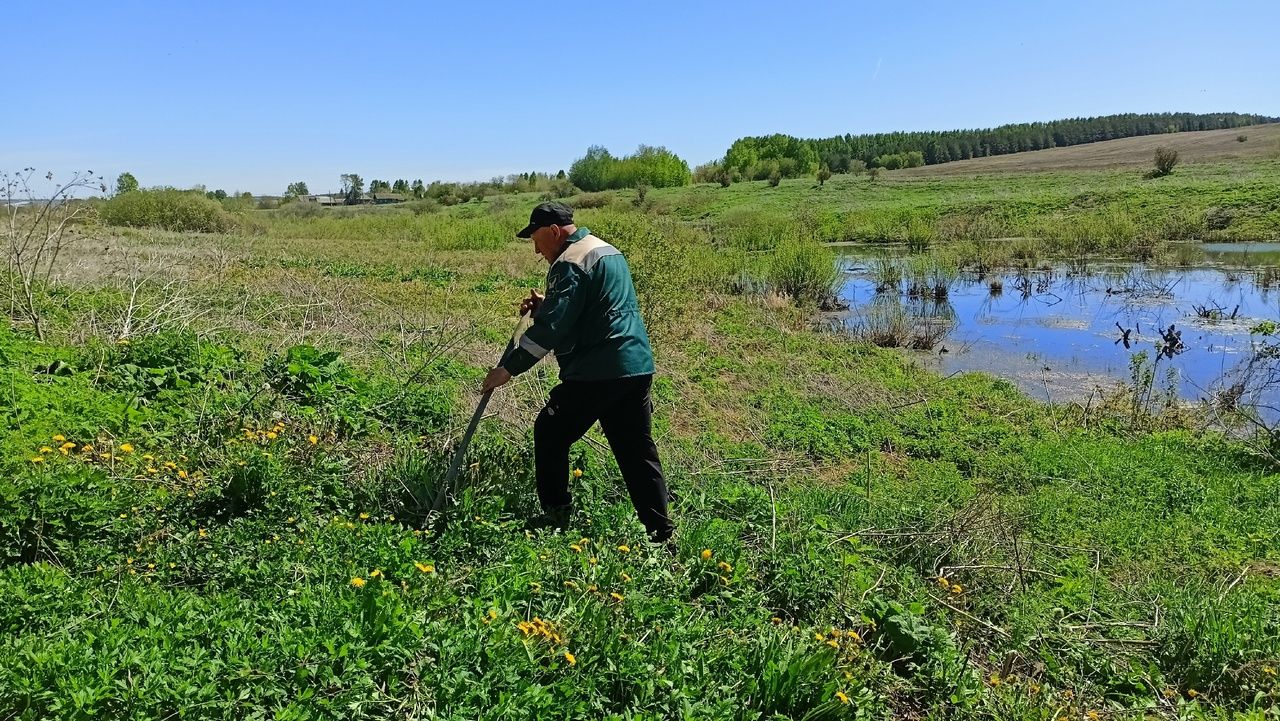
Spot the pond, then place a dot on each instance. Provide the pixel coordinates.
(1063, 334)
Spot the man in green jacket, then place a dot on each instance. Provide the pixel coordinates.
(590, 318)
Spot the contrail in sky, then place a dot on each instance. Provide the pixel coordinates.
(876, 74)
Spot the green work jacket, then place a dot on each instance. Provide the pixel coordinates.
(590, 317)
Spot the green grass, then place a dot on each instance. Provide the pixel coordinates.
(851, 208)
(941, 548)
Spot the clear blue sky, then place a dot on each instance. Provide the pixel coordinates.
(253, 95)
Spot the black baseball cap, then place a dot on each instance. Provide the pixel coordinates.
(547, 214)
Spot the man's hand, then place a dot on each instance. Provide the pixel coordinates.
(497, 378)
(531, 304)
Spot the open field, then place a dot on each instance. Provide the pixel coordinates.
(217, 465)
(1206, 146)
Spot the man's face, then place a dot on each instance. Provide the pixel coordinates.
(546, 242)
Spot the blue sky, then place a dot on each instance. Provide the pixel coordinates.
(253, 95)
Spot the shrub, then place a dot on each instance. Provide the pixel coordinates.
(170, 209)
(803, 269)
(774, 178)
(301, 209)
(1165, 160)
(1241, 138)
(1218, 218)
(707, 172)
(590, 200)
(824, 174)
(422, 207)
(656, 167)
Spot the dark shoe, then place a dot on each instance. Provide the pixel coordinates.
(664, 540)
(555, 519)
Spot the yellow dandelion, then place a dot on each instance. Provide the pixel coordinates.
(819, 637)
(124, 515)
(1192, 693)
(994, 680)
(571, 584)
(706, 554)
(776, 621)
(37, 459)
(59, 438)
(290, 519)
(843, 698)
(957, 589)
(625, 578)
(535, 585)
(1269, 670)
(358, 582)
(271, 435)
(1093, 715)
(182, 473)
(570, 658)
(725, 567)
(313, 439)
(128, 560)
(493, 614)
(46, 449)
(364, 516)
(204, 532)
(593, 560)
(575, 547)
(86, 448)
(375, 573)
(624, 548)
(425, 567)
(170, 465)
(148, 457)
(833, 643)
(593, 588)
(577, 473)
(617, 596)
(943, 583)
(126, 448)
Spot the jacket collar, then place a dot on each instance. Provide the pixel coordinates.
(579, 234)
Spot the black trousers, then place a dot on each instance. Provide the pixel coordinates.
(625, 411)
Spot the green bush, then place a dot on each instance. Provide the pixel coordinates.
(805, 270)
(170, 209)
(583, 201)
(655, 167)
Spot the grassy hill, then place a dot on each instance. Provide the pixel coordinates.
(1206, 146)
(216, 471)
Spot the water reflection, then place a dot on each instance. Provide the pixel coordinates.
(1060, 333)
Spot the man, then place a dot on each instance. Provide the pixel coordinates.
(590, 318)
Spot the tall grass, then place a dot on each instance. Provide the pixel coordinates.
(803, 269)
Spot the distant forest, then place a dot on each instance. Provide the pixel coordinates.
(758, 157)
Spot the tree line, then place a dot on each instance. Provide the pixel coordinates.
(757, 157)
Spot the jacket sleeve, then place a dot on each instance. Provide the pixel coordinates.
(555, 317)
